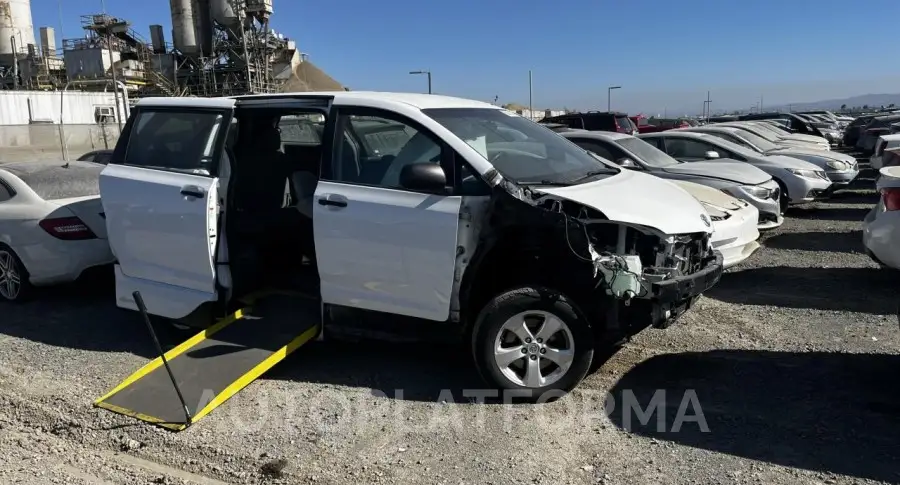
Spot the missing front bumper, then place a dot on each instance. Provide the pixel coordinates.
(684, 287)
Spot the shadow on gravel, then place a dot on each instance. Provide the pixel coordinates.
(826, 412)
(855, 197)
(830, 213)
(861, 290)
(83, 316)
(838, 242)
(402, 371)
(394, 370)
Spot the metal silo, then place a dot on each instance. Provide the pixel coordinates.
(223, 13)
(203, 26)
(184, 36)
(15, 22)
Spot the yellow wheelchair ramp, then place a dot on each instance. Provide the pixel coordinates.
(215, 364)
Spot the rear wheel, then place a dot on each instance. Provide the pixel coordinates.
(14, 284)
(533, 341)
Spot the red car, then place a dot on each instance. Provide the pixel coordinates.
(644, 126)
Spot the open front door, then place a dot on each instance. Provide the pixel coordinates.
(162, 200)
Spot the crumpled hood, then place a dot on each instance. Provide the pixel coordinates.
(784, 161)
(637, 198)
(711, 196)
(818, 157)
(722, 169)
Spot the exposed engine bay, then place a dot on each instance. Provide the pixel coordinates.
(628, 258)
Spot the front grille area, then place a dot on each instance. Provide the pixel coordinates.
(688, 252)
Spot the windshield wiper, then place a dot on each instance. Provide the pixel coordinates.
(594, 173)
(543, 182)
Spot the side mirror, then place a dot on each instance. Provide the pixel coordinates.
(711, 155)
(626, 163)
(423, 177)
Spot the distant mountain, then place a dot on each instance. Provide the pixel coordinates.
(870, 100)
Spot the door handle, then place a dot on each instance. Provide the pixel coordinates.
(333, 200)
(192, 191)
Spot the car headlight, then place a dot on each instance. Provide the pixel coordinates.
(757, 191)
(813, 174)
(836, 165)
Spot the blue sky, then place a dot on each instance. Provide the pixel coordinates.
(664, 53)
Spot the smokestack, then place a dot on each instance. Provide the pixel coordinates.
(48, 42)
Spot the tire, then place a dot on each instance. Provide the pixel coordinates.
(527, 309)
(784, 200)
(11, 266)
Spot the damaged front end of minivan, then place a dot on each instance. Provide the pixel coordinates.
(625, 276)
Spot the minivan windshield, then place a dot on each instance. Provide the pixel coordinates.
(522, 150)
(646, 153)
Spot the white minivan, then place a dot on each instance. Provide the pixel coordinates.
(425, 208)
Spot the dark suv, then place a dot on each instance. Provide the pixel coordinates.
(596, 121)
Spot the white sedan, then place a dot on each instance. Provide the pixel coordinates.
(52, 226)
(734, 222)
(881, 227)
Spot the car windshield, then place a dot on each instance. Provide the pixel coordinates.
(757, 141)
(521, 150)
(646, 153)
(771, 130)
(734, 147)
(58, 180)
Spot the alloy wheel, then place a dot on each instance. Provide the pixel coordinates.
(10, 276)
(534, 349)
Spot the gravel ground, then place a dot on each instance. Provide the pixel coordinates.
(791, 362)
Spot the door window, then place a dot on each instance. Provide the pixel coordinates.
(374, 149)
(180, 141)
(574, 122)
(597, 148)
(657, 142)
(689, 149)
(5, 192)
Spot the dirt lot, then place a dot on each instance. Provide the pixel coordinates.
(792, 358)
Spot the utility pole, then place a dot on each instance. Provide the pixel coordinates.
(530, 97)
(609, 96)
(760, 103)
(708, 107)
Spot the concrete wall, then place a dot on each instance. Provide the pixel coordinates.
(24, 107)
(29, 124)
(34, 142)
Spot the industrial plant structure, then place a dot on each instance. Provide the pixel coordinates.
(218, 48)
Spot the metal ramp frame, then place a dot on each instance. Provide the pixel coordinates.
(186, 383)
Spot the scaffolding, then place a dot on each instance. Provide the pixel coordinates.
(111, 49)
(240, 58)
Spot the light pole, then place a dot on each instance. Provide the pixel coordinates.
(609, 96)
(427, 73)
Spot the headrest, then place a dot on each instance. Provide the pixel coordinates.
(267, 138)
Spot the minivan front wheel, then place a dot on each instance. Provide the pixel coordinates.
(534, 341)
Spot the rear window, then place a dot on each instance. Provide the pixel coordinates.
(58, 180)
(624, 123)
(181, 141)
